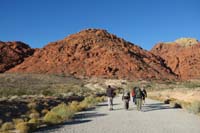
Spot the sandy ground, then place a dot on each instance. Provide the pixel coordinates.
(155, 117)
(183, 95)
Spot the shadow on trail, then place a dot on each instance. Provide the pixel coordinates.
(79, 118)
(105, 104)
(155, 106)
(88, 115)
(53, 128)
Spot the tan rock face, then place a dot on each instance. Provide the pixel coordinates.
(95, 52)
(182, 56)
(13, 53)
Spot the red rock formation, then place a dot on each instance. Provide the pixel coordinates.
(13, 53)
(97, 53)
(182, 56)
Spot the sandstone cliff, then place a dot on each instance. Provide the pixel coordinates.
(95, 53)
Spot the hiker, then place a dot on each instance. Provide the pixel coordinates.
(144, 94)
(126, 99)
(110, 94)
(138, 96)
(133, 95)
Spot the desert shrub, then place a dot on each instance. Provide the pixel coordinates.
(101, 99)
(75, 106)
(191, 85)
(195, 107)
(83, 105)
(33, 123)
(34, 120)
(90, 100)
(1, 122)
(63, 111)
(44, 111)
(32, 105)
(47, 92)
(35, 115)
(185, 105)
(18, 120)
(23, 127)
(52, 118)
(7, 126)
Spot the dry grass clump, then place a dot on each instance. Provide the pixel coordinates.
(44, 111)
(63, 111)
(88, 102)
(32, 105)
(91, 100)
(101, 99)
(34, 115)
(1, 122)
(7, 126)
(22, 127)
(59, 114)
(18, 120)
(75, 106)
(195, 107)
(52, 118)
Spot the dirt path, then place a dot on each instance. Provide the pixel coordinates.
(156, 117)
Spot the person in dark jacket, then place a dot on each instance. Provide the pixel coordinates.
(138, 96)
(110, 94)
(144, 94)
(126, 98)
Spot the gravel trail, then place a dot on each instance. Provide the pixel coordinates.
(155, 117)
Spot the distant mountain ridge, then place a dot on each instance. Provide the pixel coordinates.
(12, 54)
(95, 53)
(182, 56)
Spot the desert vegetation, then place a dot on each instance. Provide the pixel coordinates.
(182, 94)
(31, 101)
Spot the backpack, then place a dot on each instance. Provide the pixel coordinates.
(126, 94)
(133, 93)
(138, 93)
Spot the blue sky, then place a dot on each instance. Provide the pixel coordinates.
(143, 22)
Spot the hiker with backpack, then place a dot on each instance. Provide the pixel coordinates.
(110, 94)
(144, 94)
(126, 99)
(133, 95)
(138, 96)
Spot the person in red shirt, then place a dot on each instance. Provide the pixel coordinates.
(133, 95)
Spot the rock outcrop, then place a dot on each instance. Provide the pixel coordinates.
(12, 54)
(182, 56)
(95, 53)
